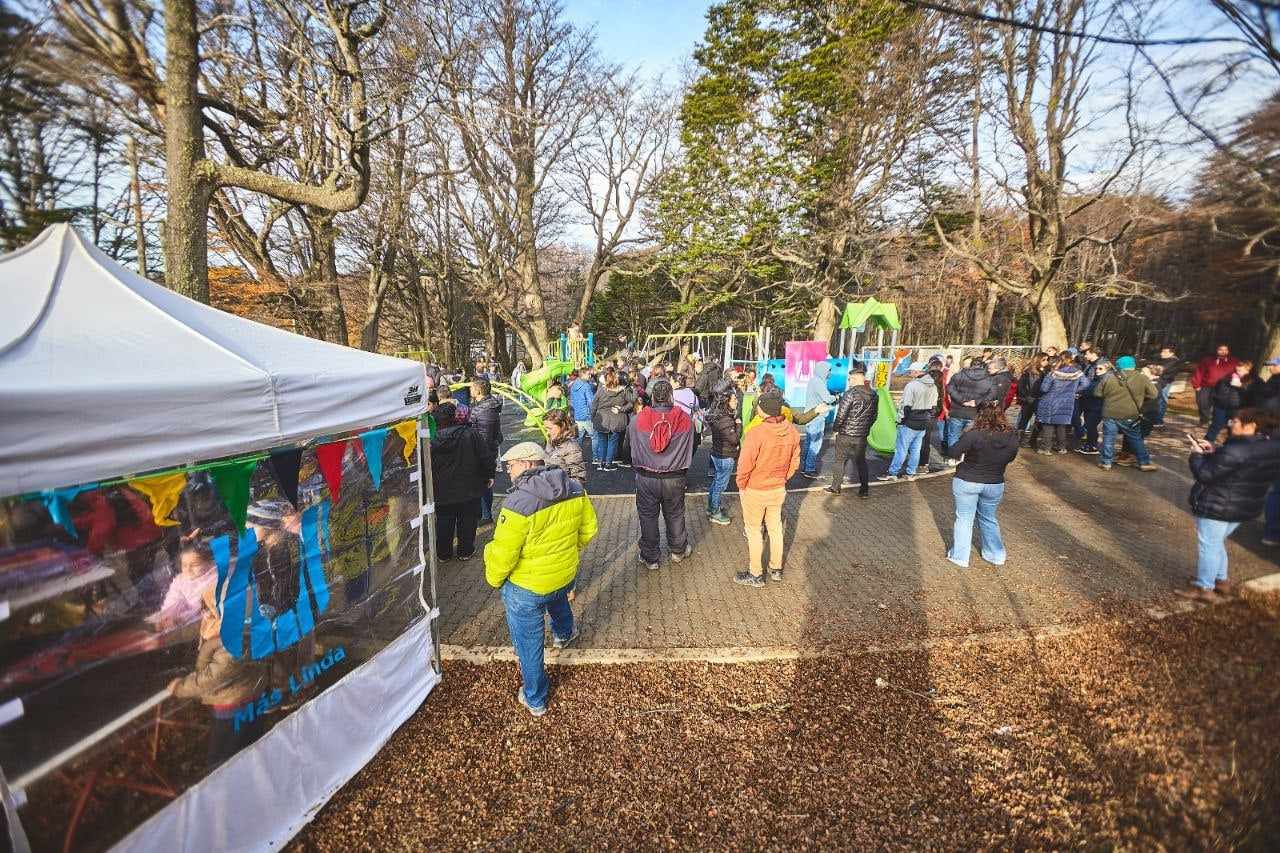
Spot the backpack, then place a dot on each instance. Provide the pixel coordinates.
(660, 435)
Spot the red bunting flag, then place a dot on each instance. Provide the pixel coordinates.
(329, 458)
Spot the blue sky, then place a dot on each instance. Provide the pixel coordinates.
(655, 35)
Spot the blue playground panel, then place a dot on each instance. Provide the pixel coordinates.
(837, 381)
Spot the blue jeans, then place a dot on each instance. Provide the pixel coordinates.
(1211, 566)
(1132, 430)
(1165, 391)
(980, 499)
(1217, 423)
(811, 445)
(722, 470)
(906, 449)
(952, 430)
(605, 447)
(486, 505)
(1271, 514)
(525, 615)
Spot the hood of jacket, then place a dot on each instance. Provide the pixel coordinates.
(1067, 374)
(448, 438)
(924, 379)
(974, 372)
(548, 485)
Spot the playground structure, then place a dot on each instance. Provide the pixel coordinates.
(729, 348)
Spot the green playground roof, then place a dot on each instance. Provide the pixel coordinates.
(883, 314)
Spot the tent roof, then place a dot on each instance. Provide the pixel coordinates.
(103, 373)
(883, 314)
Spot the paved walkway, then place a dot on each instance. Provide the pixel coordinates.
(1082, 542)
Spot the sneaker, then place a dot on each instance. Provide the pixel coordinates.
(864, 491)
(1087, 450)
(653, 567)
(444, 559)
(951, 463)
(1105, 466)
(808, 476)
(1127, 463)
(719, 518)
(537, 712)
(748, 579)
(1044, 452)
(1196, 593)
(687, 552)
(605, 468)
(1061, 451)
(621, 464)
(558, 643)
(463, 559)
(887, 478)
(1148, 467)
(910, 478)
(775, 575)
(832, 490)
(1270, 543)
(1226, 588)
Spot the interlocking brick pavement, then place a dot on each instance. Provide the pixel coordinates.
(1080, 541)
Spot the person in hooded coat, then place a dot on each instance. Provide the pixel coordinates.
(462, 468)
(968, 389)
(816, 394)
(1059, 387)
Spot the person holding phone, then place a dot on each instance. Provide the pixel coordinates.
(1231, 485)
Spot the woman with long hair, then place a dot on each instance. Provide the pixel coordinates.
(978, 487)
(1029, 393)
(609, 415)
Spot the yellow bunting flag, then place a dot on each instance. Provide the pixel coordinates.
(407, 430)
(164, 492)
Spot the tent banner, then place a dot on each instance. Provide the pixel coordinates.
(136, 658)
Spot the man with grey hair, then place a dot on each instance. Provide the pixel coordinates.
(914, 412)
(1001, 379)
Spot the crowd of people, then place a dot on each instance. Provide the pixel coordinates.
(652, 418)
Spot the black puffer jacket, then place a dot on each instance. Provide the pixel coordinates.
(725, 438)
(1232, 482)
(1229, 397)
(461, 464)
(1267, 394)
(972, 383)
(857, 412)
(486, 417)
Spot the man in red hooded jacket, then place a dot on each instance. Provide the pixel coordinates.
(1209, 370)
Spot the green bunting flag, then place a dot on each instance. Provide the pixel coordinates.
(232, 482)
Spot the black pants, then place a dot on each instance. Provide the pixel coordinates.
(855, 448)
(1058, 431)
(1025, 412)
(1204, 404)
(225, 740)
(927, 443)
(665, 495)
(457, 520)
(1091, 415)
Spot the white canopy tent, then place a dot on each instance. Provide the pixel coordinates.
(103, 373)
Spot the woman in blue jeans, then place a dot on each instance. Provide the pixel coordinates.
(722, 423)
(987, 447)
(1232, 482)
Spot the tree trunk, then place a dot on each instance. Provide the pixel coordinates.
(984, 310)
(824, 325)
(135, 198)
(186, 243)
(1053, 332)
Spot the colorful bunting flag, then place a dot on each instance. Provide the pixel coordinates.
(284, 464)
(58, 503)
(329, 457)
(372, 442)
(408, 431)
(232, 482)
(164, 491)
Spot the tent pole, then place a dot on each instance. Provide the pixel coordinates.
(728, 347)
(427, 537)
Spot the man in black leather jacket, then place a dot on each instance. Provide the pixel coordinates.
(486, 417)
(1231, 485)
(854, 417)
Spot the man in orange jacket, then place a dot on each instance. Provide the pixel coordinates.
(770, 455)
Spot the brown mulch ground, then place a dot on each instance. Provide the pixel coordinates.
(1136, 734)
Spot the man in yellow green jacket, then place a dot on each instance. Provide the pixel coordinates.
(545, 523)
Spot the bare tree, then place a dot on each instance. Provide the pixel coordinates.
(109, 44)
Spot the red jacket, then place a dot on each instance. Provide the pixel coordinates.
(1211, 369)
